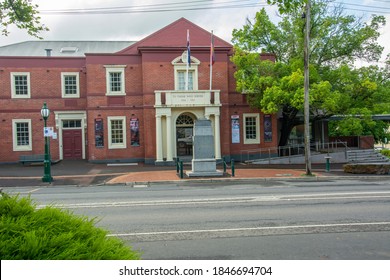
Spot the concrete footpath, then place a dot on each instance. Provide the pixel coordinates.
(83, 173)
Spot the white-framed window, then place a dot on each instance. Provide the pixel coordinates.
(20, 85)
(251, 129)
(115, 80)
(181, 80)
(21, 135)
(117, 133)
(180, 69)
(70, 85)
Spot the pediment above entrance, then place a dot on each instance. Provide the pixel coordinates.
(183, 59)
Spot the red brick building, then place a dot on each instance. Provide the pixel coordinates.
(125, 101)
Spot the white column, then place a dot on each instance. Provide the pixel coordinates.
(217, 137)
(159, 144)
(169, 138)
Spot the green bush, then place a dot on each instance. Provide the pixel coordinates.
(385, 153)
(28, 233)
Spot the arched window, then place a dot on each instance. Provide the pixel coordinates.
(184, 120)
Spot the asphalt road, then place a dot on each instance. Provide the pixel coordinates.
(335, 219)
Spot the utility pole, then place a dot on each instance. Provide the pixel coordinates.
(306, 89)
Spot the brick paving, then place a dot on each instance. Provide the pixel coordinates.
(171, 175)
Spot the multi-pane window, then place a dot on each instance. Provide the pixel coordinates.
(20, 85)
(70, 85)
(71, 123)
(180, 72)
(115, 79)
(251, 129)
(182, 76)
(21, 135)
(117, 132)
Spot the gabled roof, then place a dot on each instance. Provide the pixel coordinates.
(175, 35)
(63, 48)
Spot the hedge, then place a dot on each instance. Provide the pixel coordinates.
(28, 233)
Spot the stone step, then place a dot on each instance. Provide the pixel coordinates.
(366, 156)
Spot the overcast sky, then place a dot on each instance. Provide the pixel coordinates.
(142, 19)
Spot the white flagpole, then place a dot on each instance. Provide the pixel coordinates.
(211, 60)
(188, 57)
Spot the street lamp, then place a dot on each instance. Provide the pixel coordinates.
(45, 112)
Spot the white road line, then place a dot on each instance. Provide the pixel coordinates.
(249, 229)
(270, 198)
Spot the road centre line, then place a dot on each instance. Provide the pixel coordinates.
(271, 198)
(250, 229)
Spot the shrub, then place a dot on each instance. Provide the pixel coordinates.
(28, 233)
(385, 153)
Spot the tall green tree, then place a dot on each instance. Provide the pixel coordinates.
(337, 40)
(23, 14)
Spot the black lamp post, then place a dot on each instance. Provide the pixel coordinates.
(47, 162)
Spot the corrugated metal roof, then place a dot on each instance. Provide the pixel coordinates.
(63, 48)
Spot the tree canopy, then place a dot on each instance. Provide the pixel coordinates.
(21, 13)
(336, 41)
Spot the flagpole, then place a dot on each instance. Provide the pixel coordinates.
(211, 60)
(188, 57)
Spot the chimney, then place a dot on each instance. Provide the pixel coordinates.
(48, 52)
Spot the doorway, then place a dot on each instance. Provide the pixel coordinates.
(184, 133)
(72, 140)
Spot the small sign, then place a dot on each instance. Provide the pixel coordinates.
(48, 131)
(55, 135)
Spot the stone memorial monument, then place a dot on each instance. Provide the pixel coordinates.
(203, 161)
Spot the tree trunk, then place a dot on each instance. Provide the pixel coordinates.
(288, 123)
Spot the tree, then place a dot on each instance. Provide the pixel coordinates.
(368, 94)
(336, 41)
(23, 14)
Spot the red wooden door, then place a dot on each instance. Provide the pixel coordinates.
(72, 144)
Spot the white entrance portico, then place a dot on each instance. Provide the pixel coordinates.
(170, 105)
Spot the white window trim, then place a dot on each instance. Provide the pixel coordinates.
(252, 141)
(16, 147)
(180, 66)
(115, 69)
(116, 145)
(13, 89)
(64, 95)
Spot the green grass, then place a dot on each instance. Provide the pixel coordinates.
(28, 233)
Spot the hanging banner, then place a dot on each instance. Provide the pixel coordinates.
(134, 131)
(267, 128)
(99, 133)
(235, 129)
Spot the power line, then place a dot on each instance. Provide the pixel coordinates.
(165, 7)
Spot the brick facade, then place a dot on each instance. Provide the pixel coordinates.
(148, 68)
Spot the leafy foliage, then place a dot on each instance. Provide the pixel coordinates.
(336, 87)
(28, 233)
(385, 153)
(23, 14)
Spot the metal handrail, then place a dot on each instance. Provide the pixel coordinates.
(290, 150)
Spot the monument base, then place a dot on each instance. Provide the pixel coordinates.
(204, 168)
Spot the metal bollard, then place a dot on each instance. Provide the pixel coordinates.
(224, 165)
(327, 165)
(177, 165)
(181, 170)
(233, 171)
